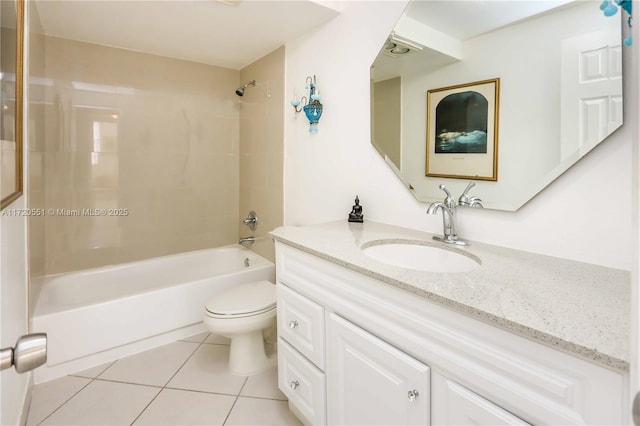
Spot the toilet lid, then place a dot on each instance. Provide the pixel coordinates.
(244, 299)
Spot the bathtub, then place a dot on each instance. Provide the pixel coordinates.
(98, 315)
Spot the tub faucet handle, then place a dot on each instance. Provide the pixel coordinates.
(251, 221)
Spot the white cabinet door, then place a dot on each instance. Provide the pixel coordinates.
(456, 405)
(371, 382)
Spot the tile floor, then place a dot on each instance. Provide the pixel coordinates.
(182, 383)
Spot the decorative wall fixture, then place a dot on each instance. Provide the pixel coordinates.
(311, 106)
(610, 8)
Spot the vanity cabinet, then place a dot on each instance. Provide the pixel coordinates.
(355, 350)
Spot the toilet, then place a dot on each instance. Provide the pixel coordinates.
(242, 313)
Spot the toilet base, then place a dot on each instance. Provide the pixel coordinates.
(247, 355)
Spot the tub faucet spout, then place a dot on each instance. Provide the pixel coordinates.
(247, 240)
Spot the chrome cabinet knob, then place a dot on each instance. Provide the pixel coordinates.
(294, 384)
(293, 324)
(413, 395)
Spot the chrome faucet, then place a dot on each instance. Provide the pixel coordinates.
(448, 207)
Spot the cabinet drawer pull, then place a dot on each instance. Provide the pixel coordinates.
(413, 395)
(294, 384)
(293, 324)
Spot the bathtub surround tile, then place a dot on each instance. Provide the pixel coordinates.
(254, 411)
(264, 385)
(207, 371)
(84, 259)
(154, 367)
(179, 407)
(104, 403)
(261, 150)
(137, 128)
(48, 397)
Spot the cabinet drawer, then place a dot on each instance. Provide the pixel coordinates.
(454, 404)
(303, 383)
(301, 324)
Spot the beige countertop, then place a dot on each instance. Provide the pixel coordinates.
(580, 308)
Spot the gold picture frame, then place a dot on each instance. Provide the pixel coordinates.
(462, 131)
(11, 64)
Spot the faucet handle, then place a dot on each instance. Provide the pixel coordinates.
(472, 201)
(469, 186)
(444, 188)
(449, 201)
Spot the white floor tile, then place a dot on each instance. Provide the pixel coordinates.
(154, 367)
(217, 339)
(47, 397)
(178, 407)
(94, 372)
(207, 371)
(104, 403)
(204, 391)
(264, 385)
(254, 411)
(198, 338)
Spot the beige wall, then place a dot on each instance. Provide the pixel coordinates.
(386, 128)
(262, 149)
(125, 130)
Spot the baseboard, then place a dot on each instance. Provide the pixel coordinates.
(26, 402)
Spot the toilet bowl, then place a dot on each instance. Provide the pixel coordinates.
(242, 313)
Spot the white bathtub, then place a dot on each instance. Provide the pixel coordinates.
(98, 315)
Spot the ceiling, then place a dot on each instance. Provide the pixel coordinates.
(459, 21)
(463, 20)
(205, 31)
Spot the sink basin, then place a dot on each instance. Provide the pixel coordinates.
(420, 256)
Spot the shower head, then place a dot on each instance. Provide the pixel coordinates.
(240, 90)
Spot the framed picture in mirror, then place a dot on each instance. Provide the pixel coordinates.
(462, 131)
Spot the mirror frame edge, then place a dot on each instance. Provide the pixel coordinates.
(20, 13)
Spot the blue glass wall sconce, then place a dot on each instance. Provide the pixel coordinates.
(311, 106)
(610, 8)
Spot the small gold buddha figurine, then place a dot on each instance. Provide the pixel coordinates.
(356, 212)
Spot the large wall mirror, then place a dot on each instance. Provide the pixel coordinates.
(559, 65)
(11, 45)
